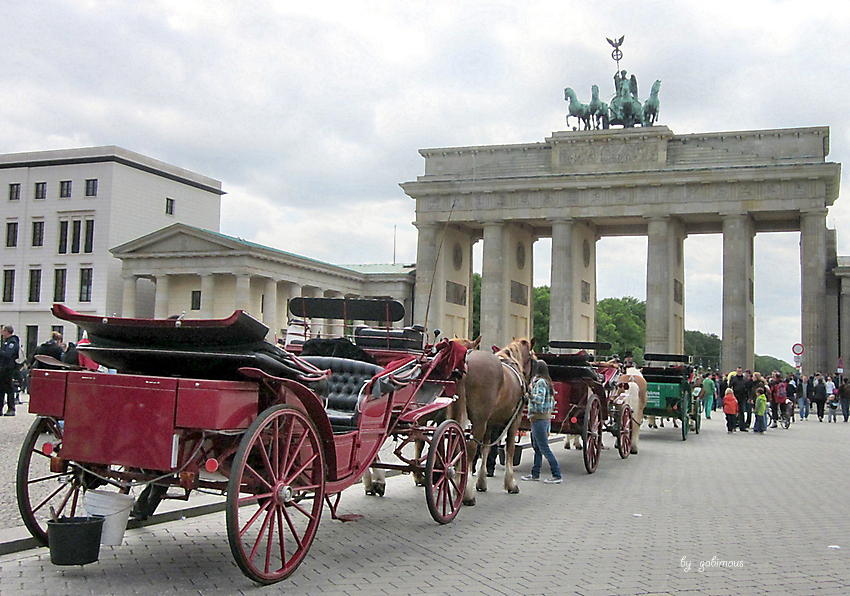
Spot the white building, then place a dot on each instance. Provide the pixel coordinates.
(64, 210)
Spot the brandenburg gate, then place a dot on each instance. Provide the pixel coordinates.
(577, 187)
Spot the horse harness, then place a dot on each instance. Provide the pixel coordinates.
(513, 366)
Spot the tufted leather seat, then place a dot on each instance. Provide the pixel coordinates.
(342, 391)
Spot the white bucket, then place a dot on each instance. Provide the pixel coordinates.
(115, 509)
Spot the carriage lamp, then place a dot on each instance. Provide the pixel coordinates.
(211, 465)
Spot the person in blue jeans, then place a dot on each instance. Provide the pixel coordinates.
(540, 408)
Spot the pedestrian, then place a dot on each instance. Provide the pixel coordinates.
(730, 408)
(721, 383)
(52, 348)
(803, 397)
(820, 396)
(791, 394)
(738, 383)
(9, 350)
(832, 408)
(830, 386)
(708, 385)
(540, 407)
(779, 396)
(844, 398)
(760, 411)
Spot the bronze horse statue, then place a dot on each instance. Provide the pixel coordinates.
(577, 109)
(491, 394)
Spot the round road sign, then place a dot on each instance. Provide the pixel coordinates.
(797, 349)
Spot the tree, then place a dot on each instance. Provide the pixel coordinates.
(622, 323)
(705, 348)
(767, 364)
(541, 318)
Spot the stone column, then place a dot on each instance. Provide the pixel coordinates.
(160, 308)
(562, 292)
(665, 288)
(243, 292)
(270, 310)
(844, 323)
(128, 304)
(493, 287)
(426, 266)
(658, 298)
(813, 281)
(738, 341)
(207, 296)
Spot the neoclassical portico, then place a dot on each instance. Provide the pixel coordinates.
(202, 274)
(577, 187)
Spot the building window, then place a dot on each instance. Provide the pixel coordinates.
(59, 277)
(8, 285)
(32, 339)
(65, 189)
(63, 237)
(196, 300)
(15, 191)
(38, 233)
(89, 239)
(35, 285)
(76, 235)
(11, 234)
(91, 188)
(41, 190)
(169, 206)
(85, 284)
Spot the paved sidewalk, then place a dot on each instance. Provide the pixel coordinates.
(762, 511)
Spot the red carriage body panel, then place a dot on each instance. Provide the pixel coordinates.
(47, 392)
(216, 405)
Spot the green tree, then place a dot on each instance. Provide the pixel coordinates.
(476, 305)
(622, 323)
(705, 348)
(541, 318)
(767, 364)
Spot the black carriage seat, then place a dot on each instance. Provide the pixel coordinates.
(344, 389)
(389, 339)
(560, 372)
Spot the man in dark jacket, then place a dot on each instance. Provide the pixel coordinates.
(9, 349)
(738, 384)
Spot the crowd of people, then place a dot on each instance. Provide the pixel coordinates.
(751, 401)
(15, 368)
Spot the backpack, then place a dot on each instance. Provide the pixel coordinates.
(781, 392)
(21, 358)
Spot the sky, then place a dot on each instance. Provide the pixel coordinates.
(312, 113)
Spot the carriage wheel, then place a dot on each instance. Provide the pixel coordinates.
(446, 472)
(275, 494)
(685, 413)
(624, 445)
(38, 488)
(592, 433)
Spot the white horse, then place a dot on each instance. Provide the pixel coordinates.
(633, 386)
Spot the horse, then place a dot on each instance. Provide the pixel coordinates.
(577, 109)
(633, 386)
(492, 394)
(598, 109)
(651, 105)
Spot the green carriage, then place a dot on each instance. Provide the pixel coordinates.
(668, 385)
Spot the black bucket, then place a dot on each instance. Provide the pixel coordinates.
(74, 540)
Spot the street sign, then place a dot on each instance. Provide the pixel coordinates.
(797, 360)
(797, 349)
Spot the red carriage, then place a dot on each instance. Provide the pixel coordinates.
(209, 405)
(583, 390)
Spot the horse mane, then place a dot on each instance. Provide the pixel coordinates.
(513, 350)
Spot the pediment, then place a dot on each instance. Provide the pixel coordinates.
(183, 243)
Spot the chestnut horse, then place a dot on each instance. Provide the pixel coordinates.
(491, 394)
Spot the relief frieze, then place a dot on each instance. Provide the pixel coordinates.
(579, 155)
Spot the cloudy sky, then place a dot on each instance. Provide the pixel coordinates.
(311, 113)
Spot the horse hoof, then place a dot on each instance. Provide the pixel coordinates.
(481, 489)
(633, 451)
(379, 490)
(469, 502)
(566, 445)
(514, 490)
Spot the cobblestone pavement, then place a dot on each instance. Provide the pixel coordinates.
(718, 514)
(12, 433)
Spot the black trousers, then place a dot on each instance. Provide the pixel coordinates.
(7, 391)
(745, 414)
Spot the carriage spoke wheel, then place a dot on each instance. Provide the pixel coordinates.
(592, 433)
(445, 472)
(275, 494)
(37, 487)
(624, 445)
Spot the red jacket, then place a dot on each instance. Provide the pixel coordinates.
(730, 404)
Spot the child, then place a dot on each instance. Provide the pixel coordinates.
(730, 408)
(761, 410)
(832, 408)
